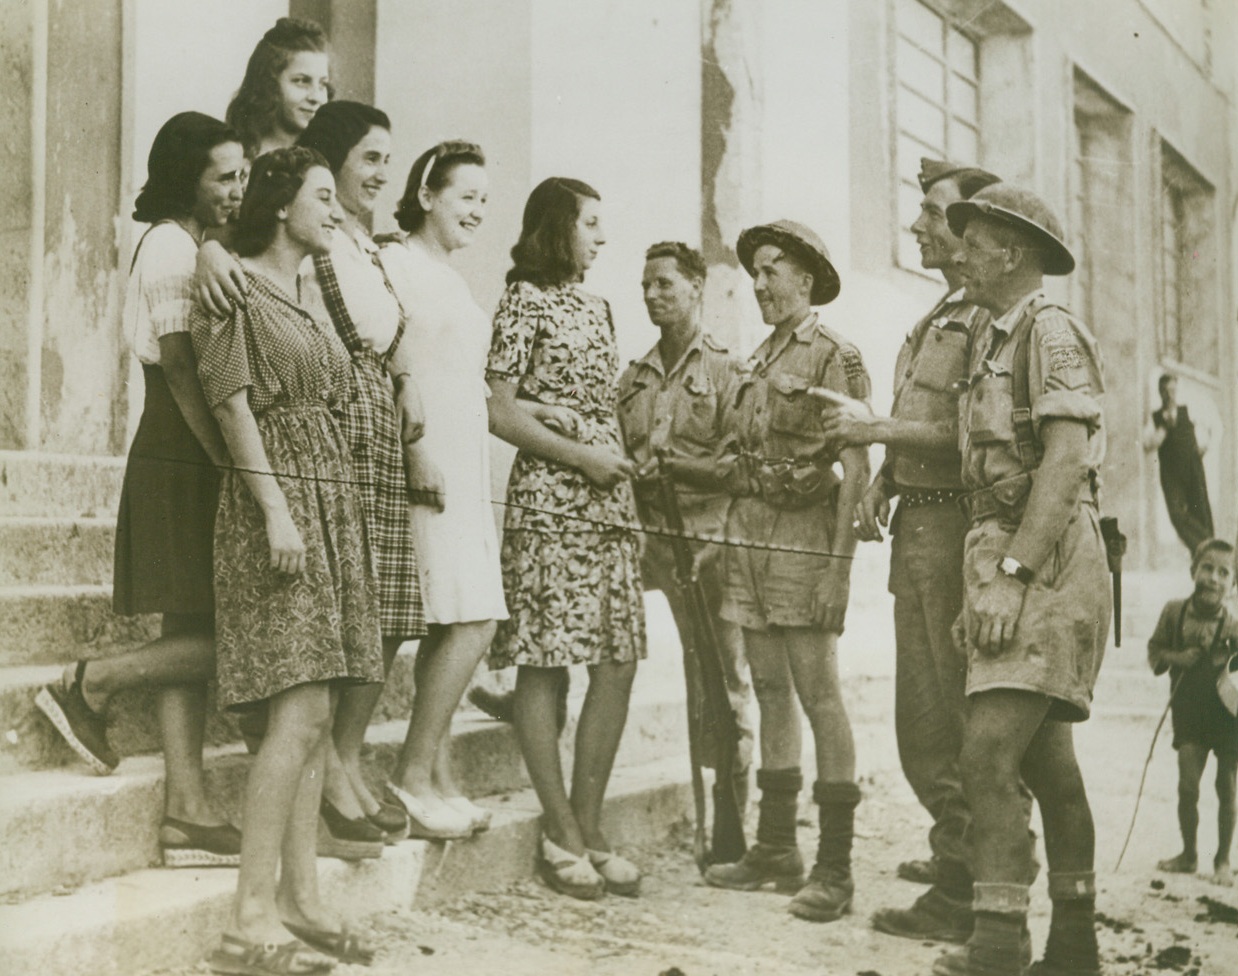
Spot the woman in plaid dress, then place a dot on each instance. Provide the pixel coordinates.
(348, 288)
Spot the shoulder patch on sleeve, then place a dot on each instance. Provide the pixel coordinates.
(1063, 358)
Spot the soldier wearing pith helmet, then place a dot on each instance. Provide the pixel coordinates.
(791, 604)
(1036, 600)
(922, 470)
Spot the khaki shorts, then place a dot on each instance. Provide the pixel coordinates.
(766, 589)
(1059, 639)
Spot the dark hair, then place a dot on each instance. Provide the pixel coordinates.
(689, 260)
(178, 157)
(441, 161)
(274, 182)
(544, 255)
(338, 126)
(256, 104)
(1165, 380)
(1211, 545)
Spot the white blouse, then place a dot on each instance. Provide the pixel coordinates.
(371, 306)
(159, 293)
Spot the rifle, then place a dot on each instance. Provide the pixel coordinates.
(728, 840)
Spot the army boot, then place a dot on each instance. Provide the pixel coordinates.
(999, 944)
(942, 914)
(1071, 948)
(774, 858)
(827, 896)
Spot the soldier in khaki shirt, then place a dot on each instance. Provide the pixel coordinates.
(791, 604)
(923, 469)
(1036, 600)
(672, 402)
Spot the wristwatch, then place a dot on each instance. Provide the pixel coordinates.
(1012, 567)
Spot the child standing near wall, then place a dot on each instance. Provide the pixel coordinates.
(1196, 640)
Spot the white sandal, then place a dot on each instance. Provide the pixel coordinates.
(479, 816)
(432, 821)
(622, 877)
(568, 873)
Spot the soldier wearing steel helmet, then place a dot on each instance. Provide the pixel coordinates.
(1036, 601)
(922, 470)
(791, 605)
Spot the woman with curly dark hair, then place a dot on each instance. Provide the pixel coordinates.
(569, 556)
(167, 505)
(285, 83)
(296, 613)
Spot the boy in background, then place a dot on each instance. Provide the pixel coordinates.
(1194, 641)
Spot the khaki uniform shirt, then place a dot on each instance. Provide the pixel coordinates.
(1064, 383)
(775, 419)
(679, 412)
(927, 383)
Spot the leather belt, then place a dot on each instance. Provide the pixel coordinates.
(920, 497)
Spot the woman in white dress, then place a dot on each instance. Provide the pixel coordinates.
(444, 349)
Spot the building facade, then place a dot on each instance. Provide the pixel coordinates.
(694, 118)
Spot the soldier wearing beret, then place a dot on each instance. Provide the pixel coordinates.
(791, 604)
(672, 403)
(923, 470)
(1036, 600)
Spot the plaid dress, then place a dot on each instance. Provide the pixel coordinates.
(372, 430)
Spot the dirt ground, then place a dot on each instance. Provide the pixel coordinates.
(1151, 923)
(678, 927)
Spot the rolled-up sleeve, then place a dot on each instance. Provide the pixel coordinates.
(1065, 377)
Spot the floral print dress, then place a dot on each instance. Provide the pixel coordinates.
(274, 631)
(571, 566)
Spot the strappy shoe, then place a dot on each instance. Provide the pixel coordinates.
(622, 877)
(431, 821)
(240, 957)
(479, 816)
(569, 874)
(190, 845)
(344, 945)
(82, 727)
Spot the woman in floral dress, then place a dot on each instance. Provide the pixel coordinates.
(569, 555)
(295, 606)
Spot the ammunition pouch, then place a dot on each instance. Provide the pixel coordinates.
(790, 485)
(1004, 500)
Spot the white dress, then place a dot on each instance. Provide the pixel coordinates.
(444, 348)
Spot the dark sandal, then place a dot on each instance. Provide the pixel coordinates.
(240, 957)
(84, 729)
(344, 945)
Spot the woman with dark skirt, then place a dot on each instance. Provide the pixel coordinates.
(166, 521)
(571, 567)
(295, 604)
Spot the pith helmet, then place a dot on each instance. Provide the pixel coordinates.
(800, 242)
(1021, 208)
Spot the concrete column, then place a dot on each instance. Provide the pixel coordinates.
(23, 33)
(732, 97)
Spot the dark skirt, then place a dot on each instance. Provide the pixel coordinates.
(166, 522)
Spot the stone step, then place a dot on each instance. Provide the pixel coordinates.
(160, 919)
(67, 485)
(30, 741)
(47, 624)
(68, 551)
(63, 828)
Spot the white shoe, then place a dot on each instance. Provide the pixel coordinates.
(622, 877)
(569, 874)
(480, 816)
(432, 819)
